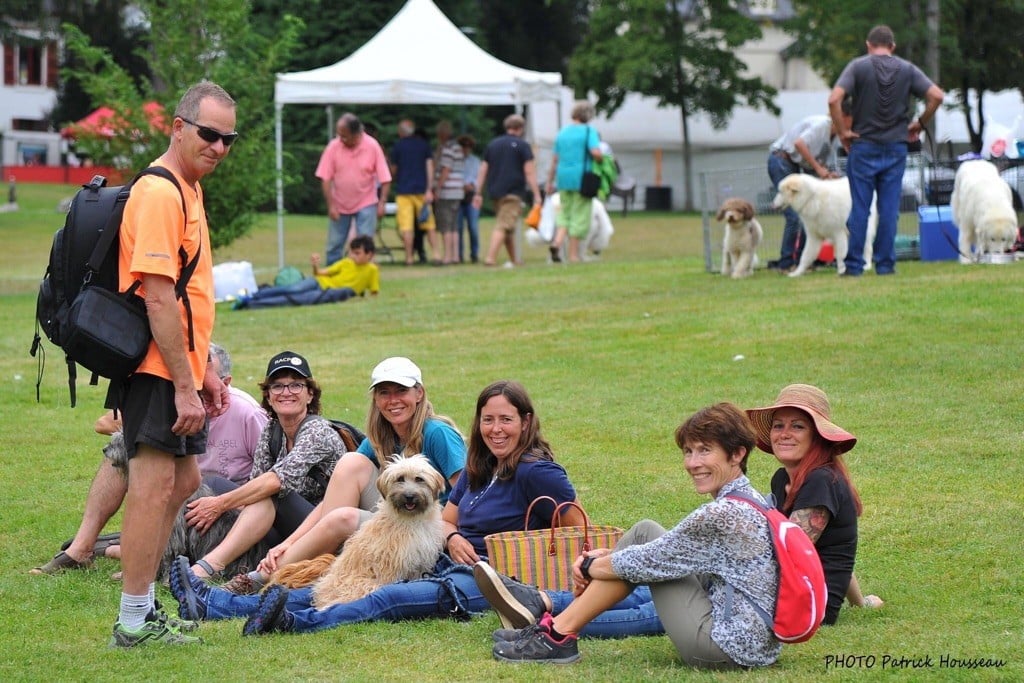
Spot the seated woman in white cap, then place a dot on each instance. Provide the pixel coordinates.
(401, 421)
(813, 487)
(289, 473)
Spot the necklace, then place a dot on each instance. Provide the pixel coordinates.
(486, 489)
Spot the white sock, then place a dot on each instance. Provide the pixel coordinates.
(152, 595)
(134, 609)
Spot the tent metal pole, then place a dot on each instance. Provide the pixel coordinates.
(280, 185)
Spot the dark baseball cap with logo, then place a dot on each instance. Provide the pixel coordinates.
(288, 360)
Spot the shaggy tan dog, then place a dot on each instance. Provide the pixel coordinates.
(982, 208)
(402, 540)
(742, 235)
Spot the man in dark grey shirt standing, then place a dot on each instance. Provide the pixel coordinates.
(880, 84)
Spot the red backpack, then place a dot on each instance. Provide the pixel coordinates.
(800, 603)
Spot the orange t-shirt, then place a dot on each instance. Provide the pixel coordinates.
(151, 233)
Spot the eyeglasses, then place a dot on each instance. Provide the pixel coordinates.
(292, 388)
(210, 135)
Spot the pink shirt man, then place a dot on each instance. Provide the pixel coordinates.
(233, 437)
(353, 173)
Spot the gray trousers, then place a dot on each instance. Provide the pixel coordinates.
(683, 607)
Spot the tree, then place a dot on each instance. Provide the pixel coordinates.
(191, 40)
(680, 52)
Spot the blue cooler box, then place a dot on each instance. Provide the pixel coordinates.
(939, 238)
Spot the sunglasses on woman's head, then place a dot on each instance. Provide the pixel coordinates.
(210, 135)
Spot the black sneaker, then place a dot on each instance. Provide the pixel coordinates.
(536, 644)
(517, 604)
(270, 616)
(503, 635)
(153, 630)
(556, 254)
(189, 590)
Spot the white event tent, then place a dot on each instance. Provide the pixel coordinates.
(419, 57)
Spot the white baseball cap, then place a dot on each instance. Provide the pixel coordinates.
(397, 369)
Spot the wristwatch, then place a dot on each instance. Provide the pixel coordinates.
(585, 567)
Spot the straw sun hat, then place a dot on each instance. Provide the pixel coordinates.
(812, 401)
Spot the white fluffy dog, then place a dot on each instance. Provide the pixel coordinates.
(823, 206)
(742, 235)
(982, 207)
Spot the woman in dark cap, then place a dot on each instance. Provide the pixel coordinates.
(293, 462)
(813, 487)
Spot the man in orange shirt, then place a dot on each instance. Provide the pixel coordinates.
(162, 402)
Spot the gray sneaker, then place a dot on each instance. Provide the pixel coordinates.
(503, 635)
(536, 644)
(517, 604)
(153, 630)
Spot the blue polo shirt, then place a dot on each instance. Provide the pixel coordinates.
(443, 446)
(501, 505)
(409, 156)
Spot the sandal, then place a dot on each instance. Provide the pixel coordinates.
(211, 573)
(59, 563)
(103, 541)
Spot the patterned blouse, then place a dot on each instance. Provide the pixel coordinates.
(305, 469)
(726, 542)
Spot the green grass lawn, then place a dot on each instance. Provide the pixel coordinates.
(923, 367)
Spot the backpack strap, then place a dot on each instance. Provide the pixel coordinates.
(730, 590)
(187, 267)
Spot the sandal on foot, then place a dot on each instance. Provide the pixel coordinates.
(113, 536)
(105, 541)
(211, 573)
(59, 563)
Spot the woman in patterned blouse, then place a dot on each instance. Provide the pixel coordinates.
(289, 474)
(688, 569)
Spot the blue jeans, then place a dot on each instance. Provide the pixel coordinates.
(305, 292)
(471, 216)
(874, 170)
(450, 591)
(337, 231)
(793, 238)
(308, 284)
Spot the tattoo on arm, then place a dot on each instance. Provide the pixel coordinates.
(812, 520)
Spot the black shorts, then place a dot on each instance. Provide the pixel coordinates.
(147, 415)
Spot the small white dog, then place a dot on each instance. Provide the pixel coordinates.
(823, 206)
(742, 235)
(982, 207)
(402, 540)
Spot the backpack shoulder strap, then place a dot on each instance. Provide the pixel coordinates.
(277, 434)
(730, 590)
(187, 267)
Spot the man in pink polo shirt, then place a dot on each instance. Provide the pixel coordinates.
(355, 179)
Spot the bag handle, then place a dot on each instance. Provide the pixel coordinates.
(586, 150)
(556, 518)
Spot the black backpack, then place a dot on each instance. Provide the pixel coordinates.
(78, 307)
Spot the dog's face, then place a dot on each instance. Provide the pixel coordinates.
(790, 189)
(997, 235)
(410, 485)
(735, 211)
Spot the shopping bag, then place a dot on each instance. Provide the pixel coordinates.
(533, 217)
(544, 557)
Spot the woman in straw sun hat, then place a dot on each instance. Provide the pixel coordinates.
(813, 486)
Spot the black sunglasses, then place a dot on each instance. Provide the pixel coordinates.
(210, 135)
